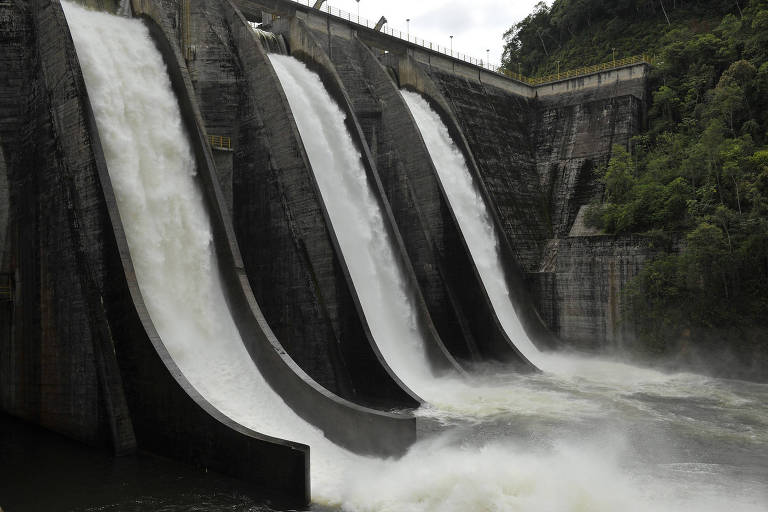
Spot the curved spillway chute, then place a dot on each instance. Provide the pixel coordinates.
(168, 413)
(413, 78)
(351, 426)
(311, 53)
(264, 85)
(487, 331)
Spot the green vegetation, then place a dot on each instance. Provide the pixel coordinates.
(697, 179)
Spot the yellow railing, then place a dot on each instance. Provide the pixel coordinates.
(585, 70)
(220, 142)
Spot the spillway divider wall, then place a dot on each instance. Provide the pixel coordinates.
(169, 416)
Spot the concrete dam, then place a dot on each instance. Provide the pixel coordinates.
(259, 250)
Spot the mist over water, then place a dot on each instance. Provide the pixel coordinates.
(559, 441)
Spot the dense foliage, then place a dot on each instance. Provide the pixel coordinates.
(697, 180)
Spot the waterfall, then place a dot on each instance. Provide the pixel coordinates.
(152, 169)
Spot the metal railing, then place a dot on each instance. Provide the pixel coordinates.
(220, 142)
(582, 71)
(406, 36)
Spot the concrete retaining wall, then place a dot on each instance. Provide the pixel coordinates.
(579, 291)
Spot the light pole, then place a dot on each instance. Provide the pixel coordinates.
(488, 58)
(408, 28)
(614, 57)
(358, 12)
(451, 45)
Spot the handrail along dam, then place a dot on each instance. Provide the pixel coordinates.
(215, 292)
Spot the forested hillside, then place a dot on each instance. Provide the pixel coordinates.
(696, 180)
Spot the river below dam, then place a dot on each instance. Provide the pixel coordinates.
(615, 437)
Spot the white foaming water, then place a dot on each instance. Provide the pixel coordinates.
(358, 223)
(152, 169)
(473, 219)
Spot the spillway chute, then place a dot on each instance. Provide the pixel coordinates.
(306, 49)
(464, 193)
(298, 218)
(210, 367)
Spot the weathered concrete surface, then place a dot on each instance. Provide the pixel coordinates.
(351, 426)
(579, 288)
(291, 252)
(57, 368)
(216, 79)
(574, 138)
(77, 306)
(73, 310)
(497, 127)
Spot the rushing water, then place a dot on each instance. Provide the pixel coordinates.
(587, 434)
(590, 436)
(152, 169)
(473, 218)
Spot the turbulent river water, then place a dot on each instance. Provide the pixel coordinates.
(584, 435)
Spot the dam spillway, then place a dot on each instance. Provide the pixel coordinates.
(473, 219)
(168, 228)
(593, 432)
(387, 302)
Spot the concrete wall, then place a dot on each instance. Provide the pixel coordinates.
(290, 248)
(313, 53)
(575, 138)
(579, 289)
(50, 373)
(344, 423)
